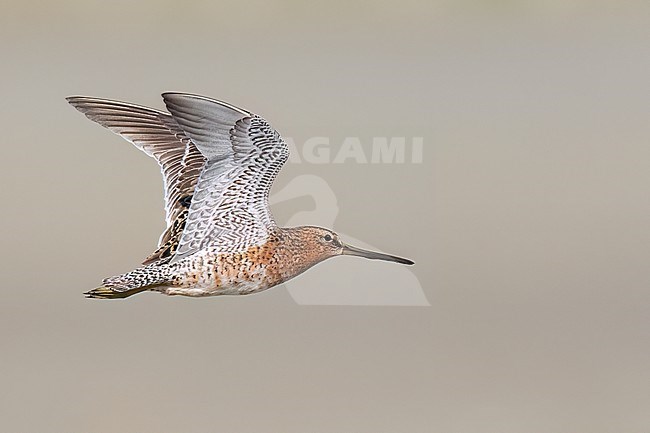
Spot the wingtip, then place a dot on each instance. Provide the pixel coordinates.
(173, 93)
(78, 100)
(170, 96)
(178, 97)
(75, 97)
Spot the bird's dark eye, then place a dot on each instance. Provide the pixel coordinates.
(327, 238)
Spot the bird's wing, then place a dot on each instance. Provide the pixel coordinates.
(229, 210)
(158, 135)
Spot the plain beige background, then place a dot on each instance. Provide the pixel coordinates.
(528, 218)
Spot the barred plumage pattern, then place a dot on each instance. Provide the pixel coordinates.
(218, 163)
(229, 210)
(141, 277)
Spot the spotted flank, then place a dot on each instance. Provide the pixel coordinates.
(218, 164)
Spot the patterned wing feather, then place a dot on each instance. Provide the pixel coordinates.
(158, 135)
(229, 210)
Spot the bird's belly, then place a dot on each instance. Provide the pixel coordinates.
(213, 276)
(238, 287)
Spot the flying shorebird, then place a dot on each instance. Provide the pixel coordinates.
(218, 164)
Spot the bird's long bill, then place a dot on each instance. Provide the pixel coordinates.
(354, 251)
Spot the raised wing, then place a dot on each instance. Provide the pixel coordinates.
(158, 135)
(229, 210)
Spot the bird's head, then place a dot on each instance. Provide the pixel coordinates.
(324, 243)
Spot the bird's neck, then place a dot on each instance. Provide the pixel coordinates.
(293, 252)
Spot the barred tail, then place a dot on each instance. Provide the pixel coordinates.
(136, 281)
